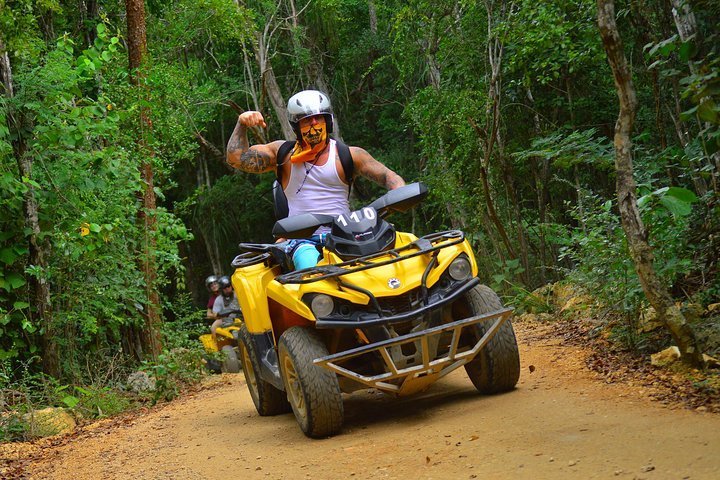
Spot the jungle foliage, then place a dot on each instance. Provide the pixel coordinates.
(505, 109)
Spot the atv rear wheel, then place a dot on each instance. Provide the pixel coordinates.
(497, 367)
(230, 363)
(268, 400)
(314, 392)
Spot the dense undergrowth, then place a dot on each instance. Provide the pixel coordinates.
(109, 384)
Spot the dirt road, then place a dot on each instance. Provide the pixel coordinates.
(561, 422)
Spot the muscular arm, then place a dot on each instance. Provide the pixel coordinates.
(255, 159)
(373, 170)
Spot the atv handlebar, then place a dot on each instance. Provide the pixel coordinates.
(228, 312)
(399, 200)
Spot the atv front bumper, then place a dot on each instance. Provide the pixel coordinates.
(417, 377)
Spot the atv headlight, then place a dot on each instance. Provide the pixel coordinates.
(460, 268)
(322, 305)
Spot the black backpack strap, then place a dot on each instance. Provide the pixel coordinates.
(347, 163)
(280, 203)
(282, 152)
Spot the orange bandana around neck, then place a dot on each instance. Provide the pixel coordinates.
(312, 142)
(303, 153)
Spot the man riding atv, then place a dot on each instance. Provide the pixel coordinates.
(225, 308)
(349, 302)
(314, 172)
(227, 320)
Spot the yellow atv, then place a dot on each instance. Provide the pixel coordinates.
(227, 335)
(382, 309)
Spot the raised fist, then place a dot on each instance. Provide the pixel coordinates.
(252, 119)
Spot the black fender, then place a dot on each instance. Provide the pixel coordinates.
(268, 358)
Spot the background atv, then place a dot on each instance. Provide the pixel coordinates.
(227, 343)
(382, 309)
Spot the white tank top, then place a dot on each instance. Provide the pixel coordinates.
(317, 188)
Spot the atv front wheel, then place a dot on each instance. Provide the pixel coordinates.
(497, 367)
(268, 400)
(314, 392)
(230, 363)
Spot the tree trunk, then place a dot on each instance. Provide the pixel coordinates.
(39, 248)
(372, 13)
(540, 167)
(6, 72)
(314, 70)
(637, 237)
(683, 135)
(685, 22)
(639, 20)
(270, 85)
(211, 246)
(687, 28)
(487, 193)
(45, 19)
(490, 136)
(89, 11)
(137, 54)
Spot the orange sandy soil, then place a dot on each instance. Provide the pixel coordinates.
(562, 421)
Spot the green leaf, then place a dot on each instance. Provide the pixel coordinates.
(686, 50)
(708, 112)
(682, 194)
(28, 326)
(667, 49)
(101, 28)
(20, 305)
(713, 146)
(688, 114)
(95, 228)
(708, 90)
(8, 256)
(14, 281)
(677, 207)
(71, 401)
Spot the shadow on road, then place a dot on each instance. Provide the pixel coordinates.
(364, 408)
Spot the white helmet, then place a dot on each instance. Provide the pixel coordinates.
(306, 104)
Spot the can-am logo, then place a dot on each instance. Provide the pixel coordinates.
(394, 283)
(360, 236)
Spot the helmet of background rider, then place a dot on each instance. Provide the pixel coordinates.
(210, 280)
(224, 282)
(307, 104)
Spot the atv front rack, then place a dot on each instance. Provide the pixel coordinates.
(414, 378)
(421, 246)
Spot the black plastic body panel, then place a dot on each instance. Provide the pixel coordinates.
(268, 358)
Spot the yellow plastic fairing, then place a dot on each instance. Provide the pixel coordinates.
(255, 284)
(250, 284)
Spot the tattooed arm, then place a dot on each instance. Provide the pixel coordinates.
(373, 170)
(255, 159)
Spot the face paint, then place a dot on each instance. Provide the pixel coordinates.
(313, 139)
(313, 130)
